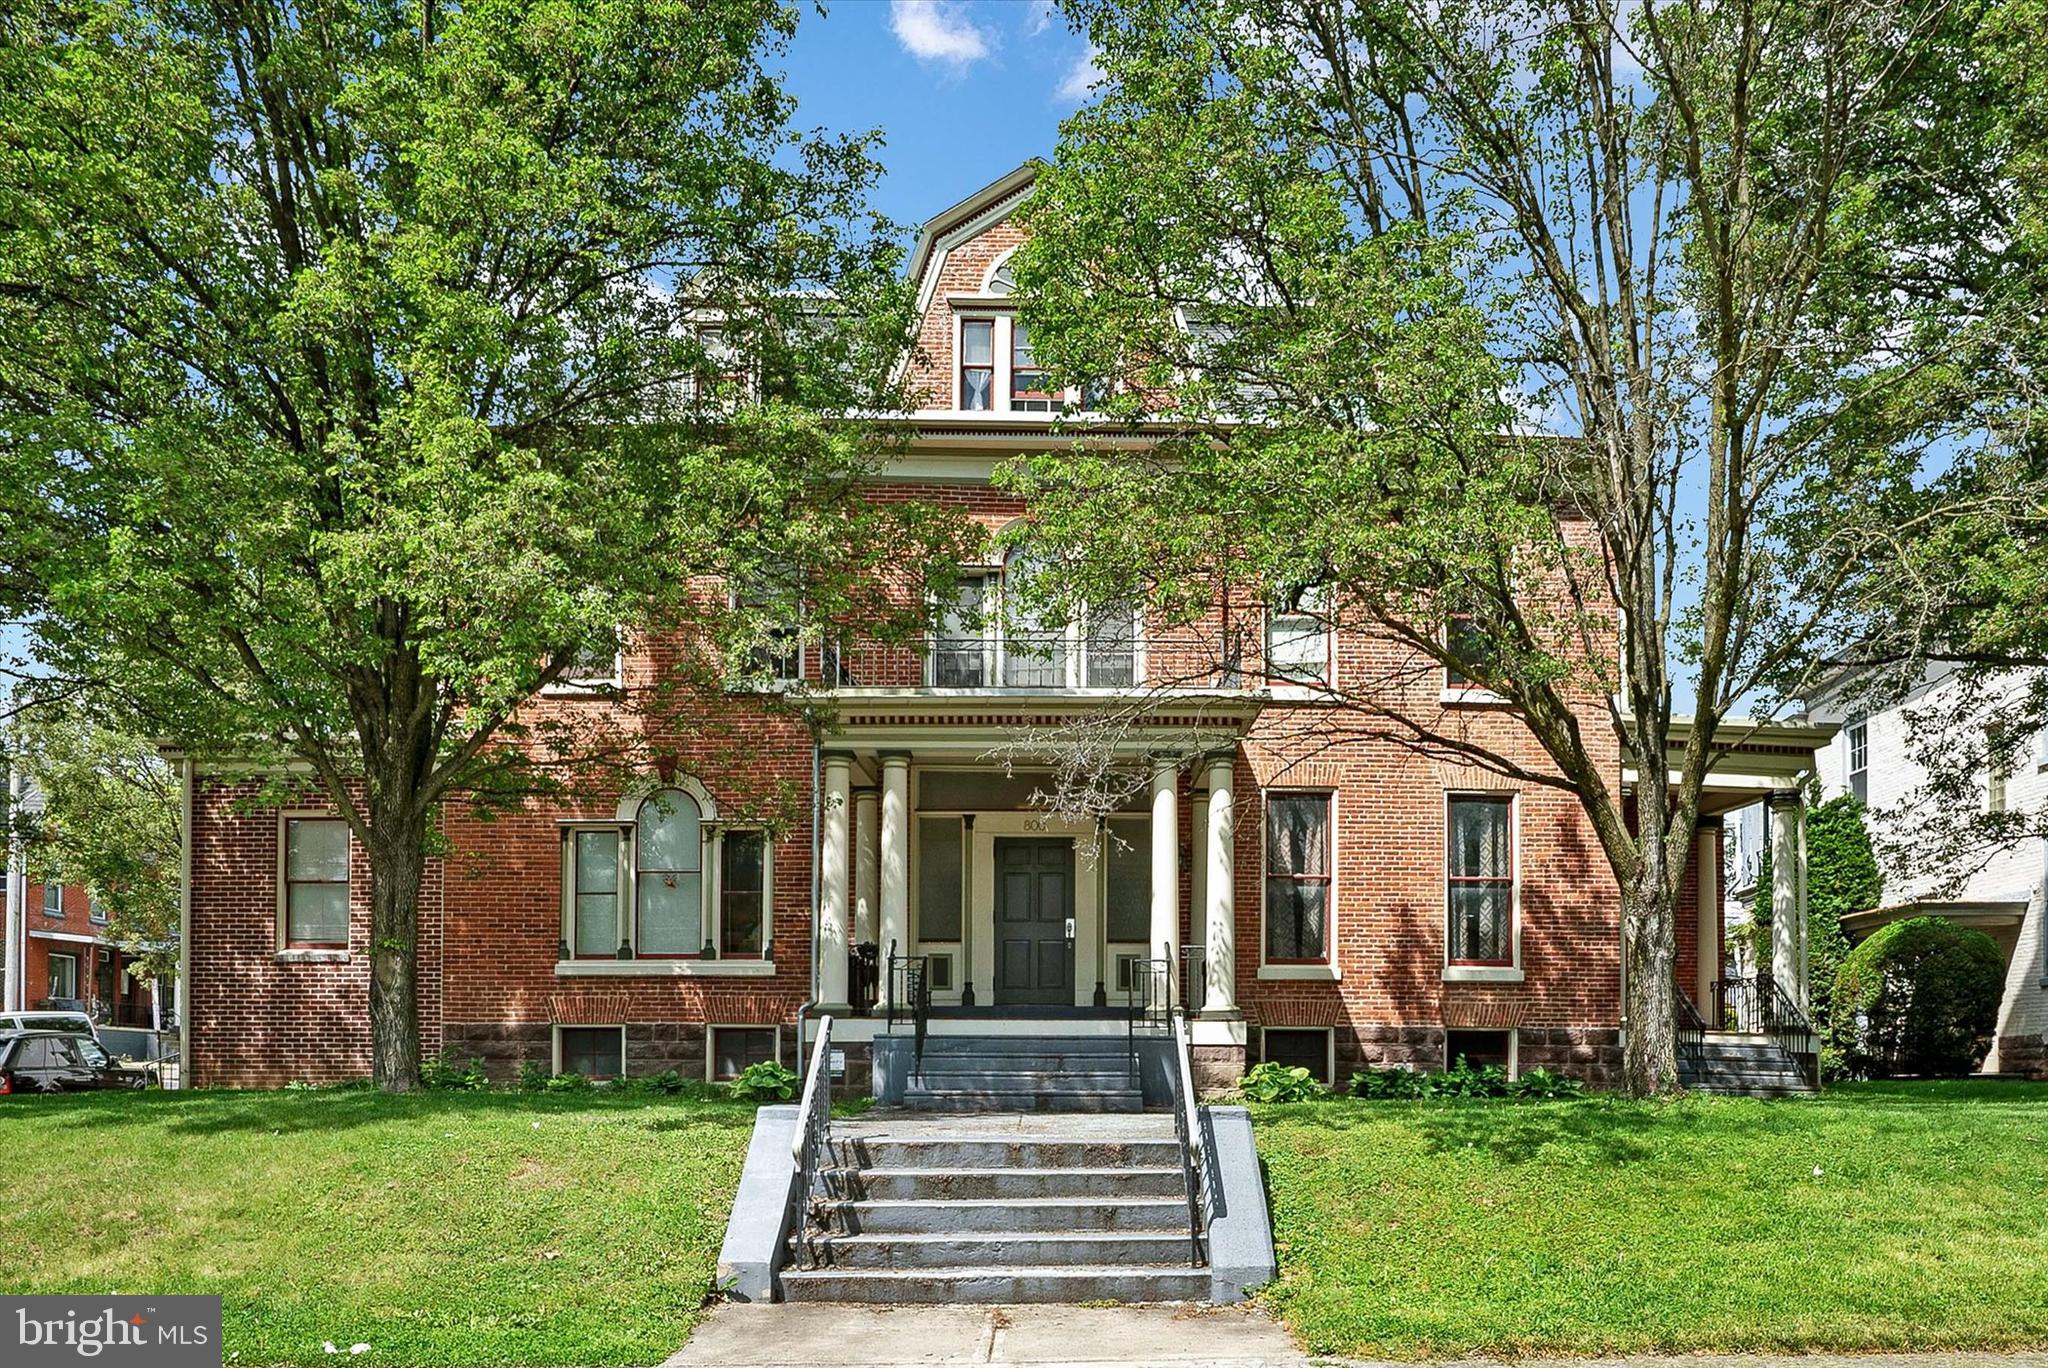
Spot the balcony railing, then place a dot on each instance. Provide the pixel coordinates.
(1042, 662)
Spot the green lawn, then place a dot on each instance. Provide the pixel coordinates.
(448, 1228)
(1878, 1217)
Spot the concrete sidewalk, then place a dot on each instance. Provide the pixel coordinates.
(816, 1335)
(825, 1336)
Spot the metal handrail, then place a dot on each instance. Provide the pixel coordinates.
(813, 1131)
(916, 1002)
(1691, 1027)
(1188, 1122)
(1148, 1003)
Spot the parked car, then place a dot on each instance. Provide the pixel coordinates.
(75, 1021)
(60, 1061)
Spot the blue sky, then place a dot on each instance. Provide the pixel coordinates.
(963, 90)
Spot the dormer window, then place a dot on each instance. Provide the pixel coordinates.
(1027, 382)
(977, 364)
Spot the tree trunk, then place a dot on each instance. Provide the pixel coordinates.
(397, 863)
(1650, 949)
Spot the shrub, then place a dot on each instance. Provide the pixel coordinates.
(1275, 1082)
(765, 1082)
(1918, 997)
(533, 1076)
(567, 1082)
(445, 1075)
(1463, 1080)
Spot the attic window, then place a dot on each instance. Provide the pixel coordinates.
(1002, 280)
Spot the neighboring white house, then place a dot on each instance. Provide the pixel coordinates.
(1875, 757)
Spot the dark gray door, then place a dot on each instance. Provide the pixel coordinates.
(1034, 917)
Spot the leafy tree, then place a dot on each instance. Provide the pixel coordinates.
(364, 365)
(1345, 253)
(1919, 996)
(107, 817)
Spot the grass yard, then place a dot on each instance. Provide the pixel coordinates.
(1884, 1216)
(448, 1228)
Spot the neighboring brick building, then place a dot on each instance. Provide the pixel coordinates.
(1351, 902)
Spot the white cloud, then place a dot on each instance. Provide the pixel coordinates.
(937, 31)
(1081, 75)
(1040, 19)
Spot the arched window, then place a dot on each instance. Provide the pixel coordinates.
(1001, 279)
(669, 860)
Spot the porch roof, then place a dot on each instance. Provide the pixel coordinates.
(976, 721)
(1752, 759)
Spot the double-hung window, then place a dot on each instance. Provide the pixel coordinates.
(64, 976)
(1298, 878)
(743, 892)
(1480, 881)
(960, 645)
(977, 364)
(595, 880)
(53, 899)
(1465, 640)
(1298, 636)
(1028, 391)
(595, 663)
(316, 883)
(1859, 761)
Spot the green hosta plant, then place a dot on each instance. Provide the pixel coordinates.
(1275, 1082)
(765, 1082)
(1389, 1083)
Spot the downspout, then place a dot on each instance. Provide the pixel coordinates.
(810, 1002)
(189, 772)
(13, 945)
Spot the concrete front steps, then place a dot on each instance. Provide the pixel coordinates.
(995, 1208)
(966, 1073)
(1742, 1066)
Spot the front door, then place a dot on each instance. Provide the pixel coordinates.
(1034, 920)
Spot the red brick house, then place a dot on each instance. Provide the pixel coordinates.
(1348, 902)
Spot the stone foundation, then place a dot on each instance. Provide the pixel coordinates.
(1217, 1068)
(2027, 1055)
(501, 1046)
(1590, 1054)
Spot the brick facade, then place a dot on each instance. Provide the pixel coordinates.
(492, 921)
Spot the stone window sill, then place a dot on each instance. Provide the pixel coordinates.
(1474, 697)
(664, 968)
(1482, 973)
(1314, 973)
(312, 957)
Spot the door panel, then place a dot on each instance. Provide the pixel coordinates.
(1034, 904)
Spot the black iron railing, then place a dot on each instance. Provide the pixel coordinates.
(812, 1146)
(908, 988)
(1148, 1008)
(1194, 1149)
(1691, 1026)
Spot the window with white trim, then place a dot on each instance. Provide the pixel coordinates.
(596, 663)
(1466, 640)
(1299, 1047)
(977, 364)
(644, 890)
(1997, 768)
(64, 976)
(53, 898)
(1029, 390)
(1298, 866)
(1480, 1049)
(315, 883)
(984, 632)
(592, 1051)
(1298, 635)
(1859, 761)
(777, 652)
(1480, 881)
(735, 1049)
(95, 908)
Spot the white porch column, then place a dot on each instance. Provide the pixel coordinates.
(1220, 884)
(1706, 875)
(832, 885)
(1165, 858)
(1788, 896)
(867, 864)
(895, 860)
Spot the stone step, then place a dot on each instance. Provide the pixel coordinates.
(998, 1249)
(1013, 1076)
(1801, 1089)
(983, 1285)
(939, 1150)
(1040, 1045)
(931, 1216)
(1022, 1099)
(998, 1184)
